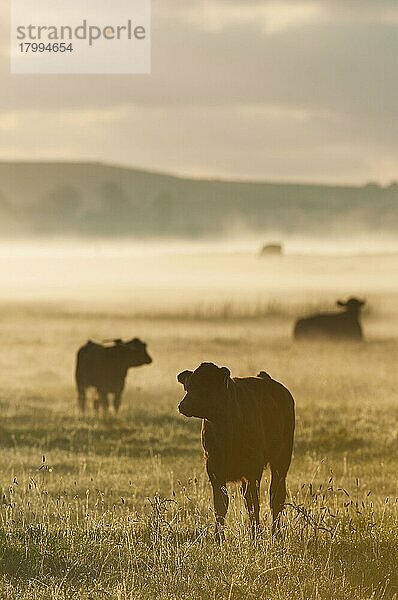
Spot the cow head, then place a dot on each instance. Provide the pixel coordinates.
(205, 390)
(137, 354)
(352, 305)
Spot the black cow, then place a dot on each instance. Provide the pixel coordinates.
(340, 325)
(248, 423)
(105, 367)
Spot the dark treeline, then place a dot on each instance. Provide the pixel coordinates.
(95, 199)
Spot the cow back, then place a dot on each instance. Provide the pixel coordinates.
(257, 425)
(104, 367)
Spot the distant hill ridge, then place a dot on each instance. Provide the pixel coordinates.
(83, 198)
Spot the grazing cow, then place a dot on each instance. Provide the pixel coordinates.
(275, 249)
(248, 423)
(340, 325)
(105, 367)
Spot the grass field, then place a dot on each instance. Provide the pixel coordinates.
(120, 507)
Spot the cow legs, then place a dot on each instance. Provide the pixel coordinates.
(250, 491)
(81, 398)
(96, 399)
(117, 398)
(104, 401)
(277, 495)
(221, 501)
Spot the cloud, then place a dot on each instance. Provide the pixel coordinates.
(331, 67)
(284, 89)
(265, 142)
(273, 17)
(277, 15)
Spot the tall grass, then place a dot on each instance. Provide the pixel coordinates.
(119, 507)
(336, 543)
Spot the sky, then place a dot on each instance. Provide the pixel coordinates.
(241, 89)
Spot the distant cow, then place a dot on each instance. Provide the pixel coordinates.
(105, 367)
(275, 249)
(248, 423)
(341, 325)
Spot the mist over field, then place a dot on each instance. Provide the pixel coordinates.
(175, 275)
(83, 200)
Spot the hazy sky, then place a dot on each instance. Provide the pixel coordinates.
(239, 88)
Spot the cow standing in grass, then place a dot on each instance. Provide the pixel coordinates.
(248, 423)
(104, 367)
(343, 325)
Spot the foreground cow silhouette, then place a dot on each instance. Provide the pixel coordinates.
(340, 325)
(105, 367)
(248, 423)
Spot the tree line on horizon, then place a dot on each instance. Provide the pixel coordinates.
(112, 202)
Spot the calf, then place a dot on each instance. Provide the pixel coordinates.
(248, 423)
(341, 325)
(105, 367)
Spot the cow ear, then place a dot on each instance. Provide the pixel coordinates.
(183, 377)
(226, 373)
(341, 303)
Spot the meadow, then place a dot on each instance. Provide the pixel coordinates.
(119, 507)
